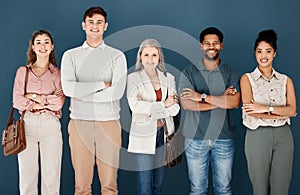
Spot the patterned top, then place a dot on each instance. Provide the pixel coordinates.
(270, 92)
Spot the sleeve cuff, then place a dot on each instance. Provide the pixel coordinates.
(44, 101)
(100, 86)
(29, 104)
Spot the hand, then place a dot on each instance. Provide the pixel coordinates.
(37, 106)
(37, 99)
(160, 123)
(107, 84)
(254, 108)
(58, 92)
(139, 98)
(171, 100)
(28, 95)
(189, 94)
(230, 91)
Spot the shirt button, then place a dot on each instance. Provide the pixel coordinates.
(271, 89)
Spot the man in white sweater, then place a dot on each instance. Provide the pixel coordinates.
(94, 77)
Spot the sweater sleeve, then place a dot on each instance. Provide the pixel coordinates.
(71, 87)
(118, 84)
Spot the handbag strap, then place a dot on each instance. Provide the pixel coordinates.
(163, 119)
(26, 80)
(165, 127)
(175, 118)
(25, 88)
(10, 116)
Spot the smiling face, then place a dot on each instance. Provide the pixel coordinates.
(264, 54)
(94, 26)
(211, 47)
(42, 46)
(149, 57)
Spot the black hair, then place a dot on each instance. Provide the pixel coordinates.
(211, 31)
(268, 36)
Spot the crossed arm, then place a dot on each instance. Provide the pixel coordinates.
(142, 105)
(96, 91)
(262, 111)
(53, 101)
(191, 100)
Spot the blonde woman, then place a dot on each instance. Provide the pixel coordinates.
(151, 94)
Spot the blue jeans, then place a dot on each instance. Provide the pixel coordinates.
(151, 172)
(199, 153)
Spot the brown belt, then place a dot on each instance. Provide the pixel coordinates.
(39, 111)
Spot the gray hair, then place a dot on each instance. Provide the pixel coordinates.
(151, 43)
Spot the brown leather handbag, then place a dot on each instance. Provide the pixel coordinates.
(13, 136)
(173, 148)
(174, 144)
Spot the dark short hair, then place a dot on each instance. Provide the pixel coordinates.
(268, 36)
(94, 10)
(211, 31)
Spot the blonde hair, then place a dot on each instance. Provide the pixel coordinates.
(150, 43)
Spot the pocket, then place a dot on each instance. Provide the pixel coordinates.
(53, 119)
(30, 124)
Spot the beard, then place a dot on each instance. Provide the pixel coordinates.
(211, 58)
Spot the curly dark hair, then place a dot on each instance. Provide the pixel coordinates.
(211, 31)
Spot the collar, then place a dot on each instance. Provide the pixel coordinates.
(51, 67)
(257, 74)
(201, 67)
(86, 46)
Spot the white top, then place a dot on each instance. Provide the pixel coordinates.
(146, 112)
(270, 92)
(84, 70)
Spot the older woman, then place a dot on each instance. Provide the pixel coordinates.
(151, 94)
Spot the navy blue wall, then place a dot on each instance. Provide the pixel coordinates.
(176, 22)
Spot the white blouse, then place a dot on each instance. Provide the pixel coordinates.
(270, 92)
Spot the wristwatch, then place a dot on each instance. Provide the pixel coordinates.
(203, 96)
(33, 96)
(271, 109)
